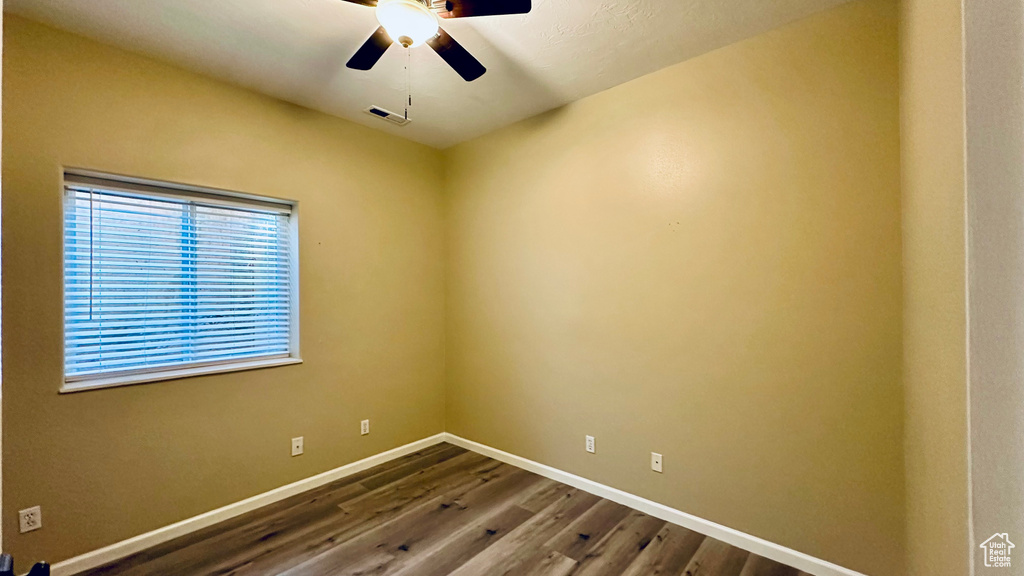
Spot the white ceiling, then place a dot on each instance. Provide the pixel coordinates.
(296, 50)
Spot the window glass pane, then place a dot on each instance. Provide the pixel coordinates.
(162, 282)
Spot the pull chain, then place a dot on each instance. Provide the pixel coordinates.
(408, 81)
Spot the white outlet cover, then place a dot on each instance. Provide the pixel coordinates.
(297, 446)
(656, 461)
(591, 445)
(364, 427)
(30, 519)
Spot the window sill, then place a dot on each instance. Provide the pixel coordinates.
(130, 380)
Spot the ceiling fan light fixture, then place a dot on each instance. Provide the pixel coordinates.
(408, 22)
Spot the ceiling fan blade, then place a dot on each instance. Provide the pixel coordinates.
(371, 51)
(456, 56)
(467, 8)
(362, 2)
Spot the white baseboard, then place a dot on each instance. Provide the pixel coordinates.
(758, 546)
(130, 546)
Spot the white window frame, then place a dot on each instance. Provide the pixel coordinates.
(212, 196)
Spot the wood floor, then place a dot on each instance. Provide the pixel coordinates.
(445, 510)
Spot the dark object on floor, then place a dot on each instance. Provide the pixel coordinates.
(7, 567)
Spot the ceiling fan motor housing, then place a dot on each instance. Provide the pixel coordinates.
(409, 22)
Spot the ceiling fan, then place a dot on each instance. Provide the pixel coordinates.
(414, 22)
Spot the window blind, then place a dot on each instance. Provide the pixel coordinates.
(165, 280)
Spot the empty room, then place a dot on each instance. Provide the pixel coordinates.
(512, 287)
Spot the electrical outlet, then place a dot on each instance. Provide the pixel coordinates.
(297, 447)
(30, 519)
(591, 445)
(656, 462)
(364, 427)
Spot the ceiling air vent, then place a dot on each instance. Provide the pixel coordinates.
(396, 119)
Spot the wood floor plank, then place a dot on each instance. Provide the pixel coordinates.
(620, 547)
(415, 531)
(444, 511)
(580, 536)
(668, 553)
(550, 492)
(553, 564)
(468, 543)
(395, 473)
(446, 546)
(715, 558)
(358, 515)
(761, 566)
(509, 554)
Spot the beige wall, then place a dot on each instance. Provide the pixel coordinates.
(110, 464)
(934, 317)
(704, 262)
(994, 77)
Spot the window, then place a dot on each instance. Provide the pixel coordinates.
(163, 282)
